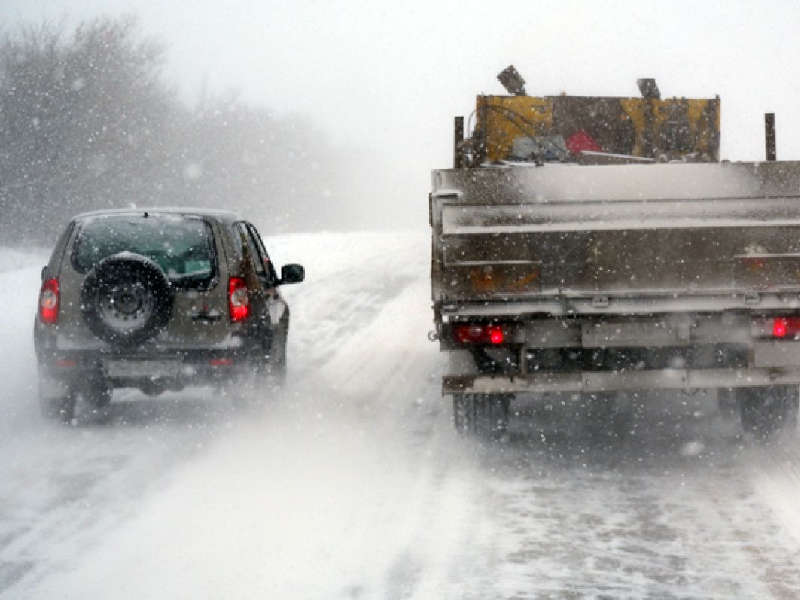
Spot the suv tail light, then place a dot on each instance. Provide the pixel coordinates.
(238, 299)
(473, 333)
(49, 301)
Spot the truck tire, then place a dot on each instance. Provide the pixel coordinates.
(484, 416)
(126, 299)
(464, 413)
(727, 402)
(765, 411)
(492, 417)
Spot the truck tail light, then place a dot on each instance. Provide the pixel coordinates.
(776, 328)
(479, 334)
(785, 327)
(49, 299)
(238, 299)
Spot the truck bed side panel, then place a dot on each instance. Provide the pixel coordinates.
(707, 229)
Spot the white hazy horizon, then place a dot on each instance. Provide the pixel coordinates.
(385, 79)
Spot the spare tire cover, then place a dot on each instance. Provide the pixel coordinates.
(126, 299)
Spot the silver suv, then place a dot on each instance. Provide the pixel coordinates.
(158, 300)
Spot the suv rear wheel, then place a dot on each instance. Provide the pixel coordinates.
(97, 392)
(58, 409)
(267, 374)
(276, 367)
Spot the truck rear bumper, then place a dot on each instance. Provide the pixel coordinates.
(623, 381)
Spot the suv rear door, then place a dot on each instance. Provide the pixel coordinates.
(199, 316)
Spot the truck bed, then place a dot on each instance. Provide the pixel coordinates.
(616, 238)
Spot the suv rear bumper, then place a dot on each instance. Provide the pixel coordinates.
(60, 372)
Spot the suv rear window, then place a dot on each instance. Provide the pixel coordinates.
(182, 246)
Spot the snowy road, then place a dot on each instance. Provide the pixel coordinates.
(352, 484)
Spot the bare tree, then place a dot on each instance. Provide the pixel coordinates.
(87, 121)
(80, 122)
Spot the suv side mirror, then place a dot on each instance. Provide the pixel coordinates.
(292, 274)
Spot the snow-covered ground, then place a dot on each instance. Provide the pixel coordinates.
(350, 482)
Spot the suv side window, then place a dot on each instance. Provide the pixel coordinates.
(271, 274)
(261, 262)
(252, 251)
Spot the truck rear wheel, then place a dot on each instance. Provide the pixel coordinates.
(464, 413)
(482, 415)
(765, 411)
(727, 402)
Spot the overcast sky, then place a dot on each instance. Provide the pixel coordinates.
(389, 76)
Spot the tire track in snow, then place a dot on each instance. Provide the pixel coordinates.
(68, 487)
(394, 389)
(638, 518)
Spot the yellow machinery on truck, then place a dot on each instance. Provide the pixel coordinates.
(592, 129)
